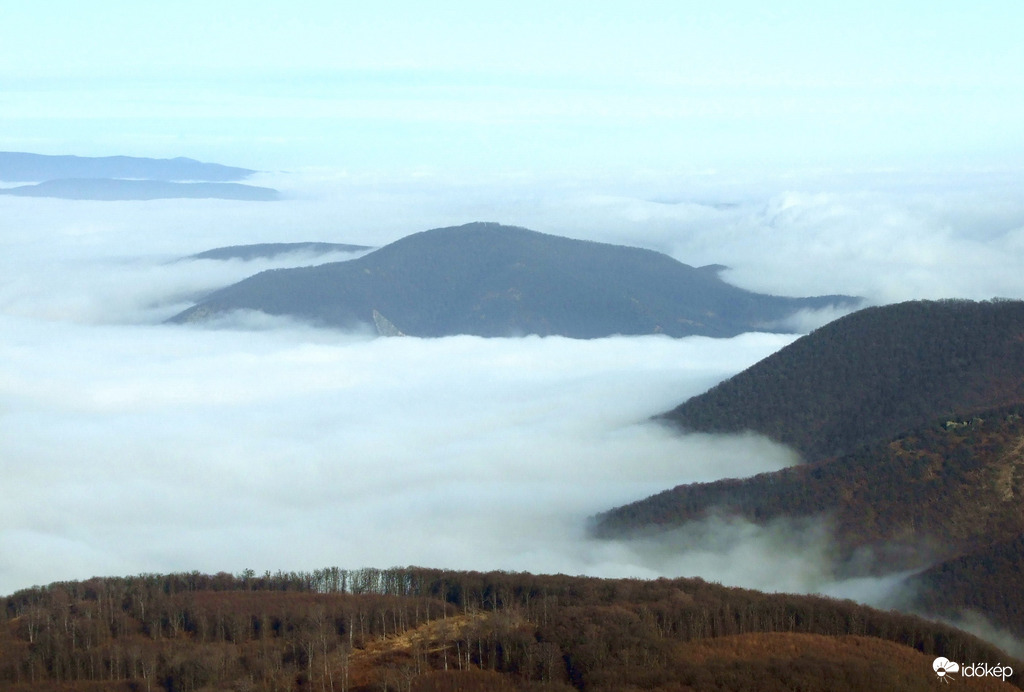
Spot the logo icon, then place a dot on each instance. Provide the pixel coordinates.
(943, 667)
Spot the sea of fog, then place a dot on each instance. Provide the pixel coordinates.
(130, 446)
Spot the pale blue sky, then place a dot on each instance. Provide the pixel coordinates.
(521, 87)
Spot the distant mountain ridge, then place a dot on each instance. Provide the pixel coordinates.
(118, 178)
(487, 279)
(25, 167)
(103, 189)
(270, 250)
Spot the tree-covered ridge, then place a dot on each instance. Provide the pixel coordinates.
(491, 280)
(871, 375)
(940, 490)
(432, 630)
(986, 581)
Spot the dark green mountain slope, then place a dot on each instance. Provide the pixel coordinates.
(492, 280)
(872, 375)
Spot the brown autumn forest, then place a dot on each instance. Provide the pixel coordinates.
(957, 482)
(428, 630)
(910, 418)
(872, 375)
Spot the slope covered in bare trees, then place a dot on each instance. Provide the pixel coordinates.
(910, 419)
(937, 491)
(872, 375)
(430, 630)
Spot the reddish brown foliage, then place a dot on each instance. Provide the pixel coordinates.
(432, 630)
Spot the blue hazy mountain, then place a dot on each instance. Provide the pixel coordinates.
(270, 250)
(492, 280)
(106, 189)
(24, 168)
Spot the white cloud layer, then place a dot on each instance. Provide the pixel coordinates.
(132, 446)
(161, 448)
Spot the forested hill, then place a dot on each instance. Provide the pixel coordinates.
(428, 630)
(492, 280)
(987, 580)
(932, 493)
(872, 374)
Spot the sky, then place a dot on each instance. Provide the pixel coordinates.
(872, 149)
(485, 88)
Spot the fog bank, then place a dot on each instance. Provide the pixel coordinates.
(131, 449)
(263, 443)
